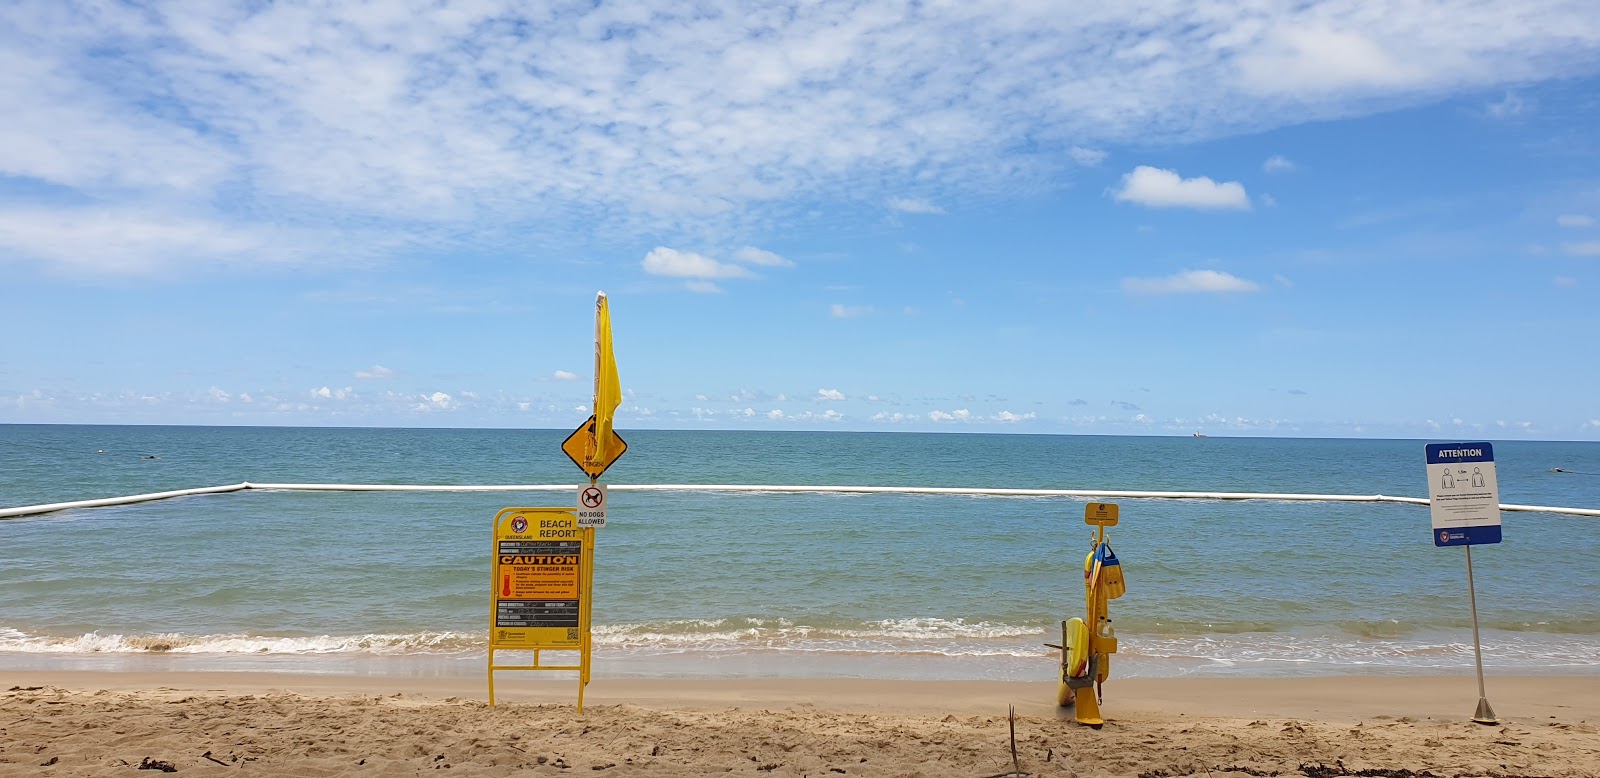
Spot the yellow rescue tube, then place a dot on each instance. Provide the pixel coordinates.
(1077, 647)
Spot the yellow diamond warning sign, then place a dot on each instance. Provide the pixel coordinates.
(579, 447)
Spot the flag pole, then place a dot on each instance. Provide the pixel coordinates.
(599, 300)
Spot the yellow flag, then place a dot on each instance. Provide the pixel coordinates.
(607, 387)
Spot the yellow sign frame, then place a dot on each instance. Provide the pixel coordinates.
(579, 447)
(532, 555)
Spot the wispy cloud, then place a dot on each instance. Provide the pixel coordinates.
(564, 375)
(240, 132)
(1575, 220)
(663, 261)
(376, 371)
(908, 205)
(1087, 157)
(1586, 249)
(1190, 282)
(1511, 105)
(833, 395)
(754, 256)
(1277, 163)
(1159, 188)
(841, 311)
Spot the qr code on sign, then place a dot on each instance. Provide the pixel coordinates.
(572, 633)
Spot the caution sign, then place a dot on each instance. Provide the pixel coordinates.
(580, 448)
(540, 580)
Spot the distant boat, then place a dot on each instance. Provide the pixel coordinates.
(1198, 435)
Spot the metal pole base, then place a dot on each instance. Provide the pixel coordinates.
(1485, 714)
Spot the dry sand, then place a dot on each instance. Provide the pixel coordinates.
(84, 723)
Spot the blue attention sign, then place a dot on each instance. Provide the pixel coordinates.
(1463, 494)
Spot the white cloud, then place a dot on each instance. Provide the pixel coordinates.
(775, 414)
(1009, 417)
(1190, 282)
(895, 418)
(137, 240)
(1303, 59)
(1087, 157)
(1567, 281)
(1586, 249)
(1269, 201)
(218, 395)
(830, 394)
(564, 375)
(839, 311)
(437, 401)
(663, 261)
(1511, 106)
(960, 414)
(754, 256)
(907, 205)
(1575, 220)
(325, 393)
(1277, 163)
(1158, 188)
(702, 287)
(376, 371)
(499, 121)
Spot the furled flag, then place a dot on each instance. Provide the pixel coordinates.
(607, 387)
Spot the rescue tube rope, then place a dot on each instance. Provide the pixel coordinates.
(31, 510)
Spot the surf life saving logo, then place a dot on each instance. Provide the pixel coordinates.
(519, 525)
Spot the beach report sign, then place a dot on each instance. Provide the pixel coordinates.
(1463, 494)
(543, 579)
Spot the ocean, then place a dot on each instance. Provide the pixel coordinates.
(763, 584)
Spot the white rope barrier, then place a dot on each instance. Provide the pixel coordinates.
(29, 510)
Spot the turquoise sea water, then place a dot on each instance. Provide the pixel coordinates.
(766, 584)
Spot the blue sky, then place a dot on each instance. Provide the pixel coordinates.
(1373, 219)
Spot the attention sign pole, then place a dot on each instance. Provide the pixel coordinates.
(1464, 498)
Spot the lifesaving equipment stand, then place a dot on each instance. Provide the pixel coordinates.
(1088, 643)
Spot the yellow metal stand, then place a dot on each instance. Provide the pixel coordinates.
(1092, 647)
(529, 642)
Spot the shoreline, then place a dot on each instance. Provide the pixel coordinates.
(1323, 698)
(95, 723)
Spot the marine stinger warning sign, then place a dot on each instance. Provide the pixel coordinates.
(580, 446)
(539, 583)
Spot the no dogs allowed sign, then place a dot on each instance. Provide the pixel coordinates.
(592, 505)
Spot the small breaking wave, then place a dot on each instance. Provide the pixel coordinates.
(177, 643)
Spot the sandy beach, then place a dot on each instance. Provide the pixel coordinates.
(87, 723)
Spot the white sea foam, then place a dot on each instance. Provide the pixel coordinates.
(1251, 653)
(172, 643)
